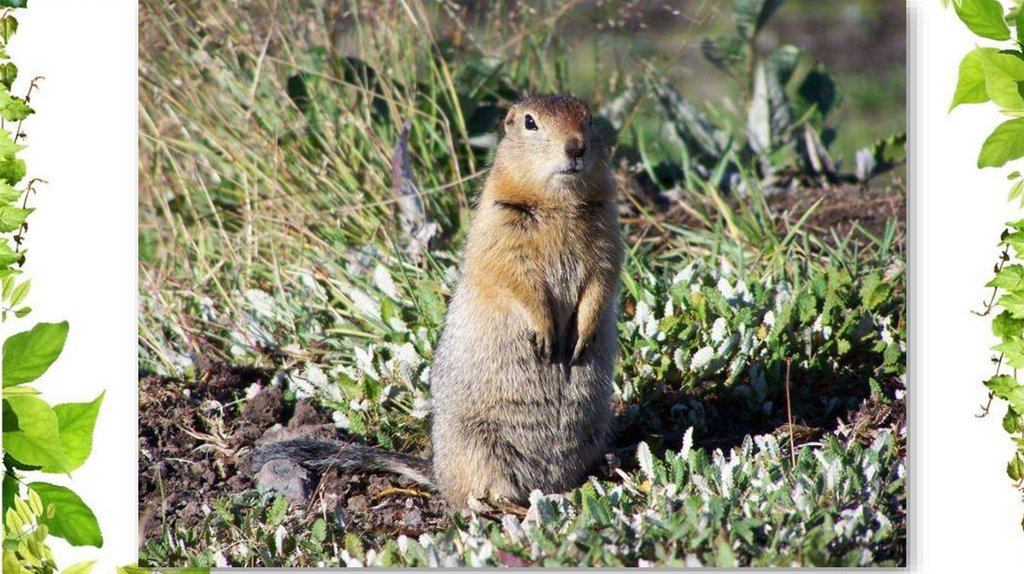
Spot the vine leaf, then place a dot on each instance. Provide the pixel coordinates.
(1012, 421)
(79, 568)
(1007, 327)
(970, 86)
(76, 422)
(32, 433)
(984, 18)
(11, 218)
(72, 519)
(1007, 388)
(1015, 468)
(27, 355)
(8, 27)
(8, 194)
(1014, 303)
(1004, 144)
(1016, 241)
(1010, 278)
(1003, 76)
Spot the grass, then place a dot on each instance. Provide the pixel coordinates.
(269, 238)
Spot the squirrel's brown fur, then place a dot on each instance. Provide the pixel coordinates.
(521, 384)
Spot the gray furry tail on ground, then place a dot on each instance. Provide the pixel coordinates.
(319, 455)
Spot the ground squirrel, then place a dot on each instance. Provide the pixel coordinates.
(521, 384)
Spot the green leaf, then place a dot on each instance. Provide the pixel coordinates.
(874, 291)
(1012, 421)
(19, 293)
(1015, 240)
(79, 568)
(8, 194)
(1014, 303)
(1006, 326)
(1001, 385)
(12, 108)
(1010, 278)
(8, 256)
(1015, 468)
(318, 532)
(7, 145)
(1004, 73)
(724, 557)
(1006, 143)
(10, 489)
(984, 18)
(12, 170)
(1008, 389)
(14, 3)
(1017, 191)
(970, 86)
(16, 110)
(8, 73)
(8, 27)
(76, 422)
(16, 391)
(1013, 350)
(11, 218)
(278, 511)
(36, 441)
(72, 520)
(27, 355)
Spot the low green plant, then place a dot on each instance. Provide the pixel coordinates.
(994, 73)
(837, 504)
(782, 127)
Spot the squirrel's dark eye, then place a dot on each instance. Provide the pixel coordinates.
(530, 124)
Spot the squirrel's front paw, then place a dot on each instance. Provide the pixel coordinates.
(581, 346)
(543, 344)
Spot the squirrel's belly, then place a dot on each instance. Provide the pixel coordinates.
(512, 421)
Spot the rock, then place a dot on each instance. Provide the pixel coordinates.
(265, 408)
(237, 483)
(284, 476)
(357, 503)
(413, 518)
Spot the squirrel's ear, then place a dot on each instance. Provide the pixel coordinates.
(510, 119)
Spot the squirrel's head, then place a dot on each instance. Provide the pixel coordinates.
(552, 142)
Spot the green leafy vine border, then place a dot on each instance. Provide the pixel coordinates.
(39, 439)
(995, 73)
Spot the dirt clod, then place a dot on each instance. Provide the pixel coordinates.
(306, 415)
(286, 477)
(265, 408)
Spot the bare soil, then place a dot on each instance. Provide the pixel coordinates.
(195, 440)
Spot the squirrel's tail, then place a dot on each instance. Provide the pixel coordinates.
(319, 455)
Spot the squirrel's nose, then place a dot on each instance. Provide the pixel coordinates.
(574, 148)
